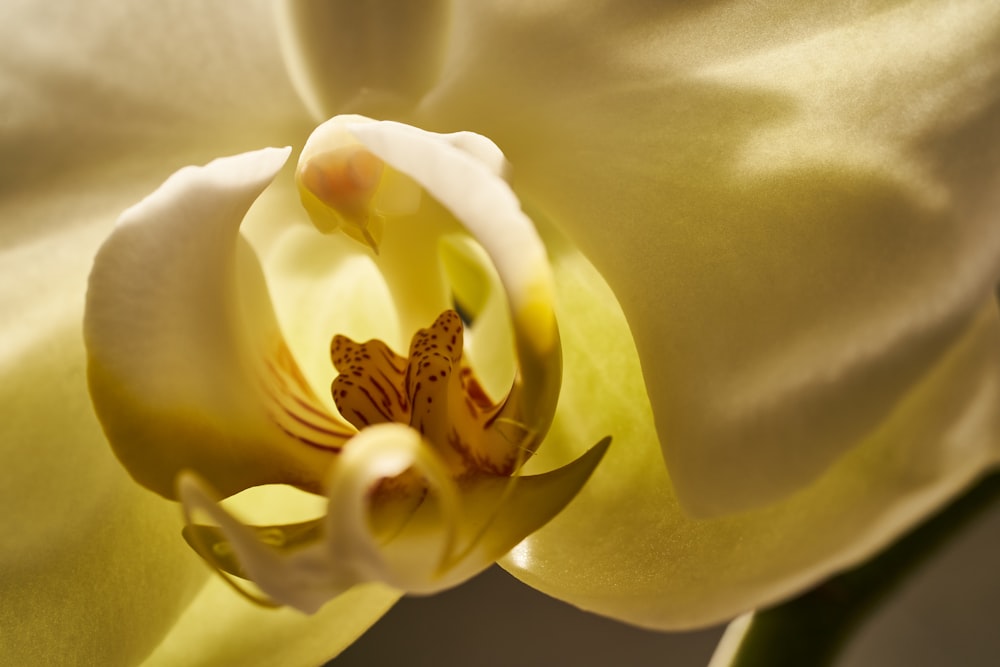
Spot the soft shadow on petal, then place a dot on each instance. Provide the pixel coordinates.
(797, 220)
(458, 530)
(656, 566)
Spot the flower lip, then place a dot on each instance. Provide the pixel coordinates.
(451, 500)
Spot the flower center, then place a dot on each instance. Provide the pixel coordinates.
(434, 392)
(424, 474)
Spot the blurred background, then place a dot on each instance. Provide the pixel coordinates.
(946, 615)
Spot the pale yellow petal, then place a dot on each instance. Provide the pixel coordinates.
(222, 628)
(376, 58)
(82, 543)
(457, 531)
(99, 82)
(656, 566)
(795, 206)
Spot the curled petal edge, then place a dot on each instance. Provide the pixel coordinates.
(186, 365)
(459, 529)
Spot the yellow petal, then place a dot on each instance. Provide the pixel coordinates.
(658, 567)
(78, 533)
(796, 213)
(224, 629)
(466, 178)
(102, 102)
(221, 628)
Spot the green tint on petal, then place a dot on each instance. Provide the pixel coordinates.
(656, 566)
(187, 367)
(796, 208)
(224, 629)
(83, 545)
(462, 261)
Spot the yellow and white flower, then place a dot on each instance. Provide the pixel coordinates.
(773, 251)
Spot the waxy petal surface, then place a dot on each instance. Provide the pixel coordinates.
(656, 566)
(187, 367)
(796, 214)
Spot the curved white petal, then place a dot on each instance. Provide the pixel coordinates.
(187, 367)
(797, 214)
(474, 191)
(221, 628)
(101, 101)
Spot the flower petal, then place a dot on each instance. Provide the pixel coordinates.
(376, 58)
(224, 629)
(453, 170)
(187, 367)
(99, 82)
(658, 567)
(79, 535)
(457, 531)
(221, 628)
(797, 215)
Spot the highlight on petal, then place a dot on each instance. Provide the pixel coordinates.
(187, 367)
(458, 529)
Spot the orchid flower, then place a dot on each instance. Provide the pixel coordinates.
(758, 250)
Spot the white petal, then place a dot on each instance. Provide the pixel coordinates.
(476, 194)
(187, 366)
